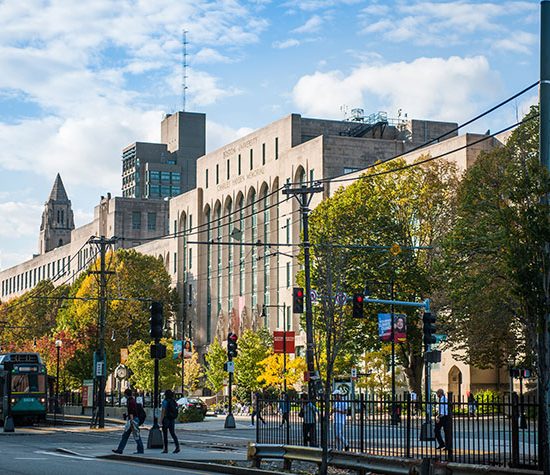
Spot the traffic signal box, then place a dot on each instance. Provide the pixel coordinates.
(232, 346)
(297, 300)
(358, 300)
(429, 328)
(156, 320)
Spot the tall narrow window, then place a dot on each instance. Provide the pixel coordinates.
(239, 164)
(263, 154)
(136, 219)
(217, 173)
(228, 169)
(276, 148)
(175, 262)
(206, 179)
(251, 159)
(190, 258)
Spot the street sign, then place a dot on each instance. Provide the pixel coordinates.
(344, 387)
(341, 298)
(123, 355)
(99, 368)
(279, 339)
(230, 366)
(314, 296)
(439, 338)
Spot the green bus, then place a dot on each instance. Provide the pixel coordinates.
(27, 398)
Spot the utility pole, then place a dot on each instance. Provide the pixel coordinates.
(100, 363)
(544, 327)
(304, 194)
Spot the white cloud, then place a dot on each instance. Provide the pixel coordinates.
(521, 42)
(210, 55)
(443, 23)
(310, 26)
(20, 219)
(290, 43)
(316, 5)
(434, 88)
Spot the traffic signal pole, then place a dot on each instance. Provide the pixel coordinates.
(304, 194)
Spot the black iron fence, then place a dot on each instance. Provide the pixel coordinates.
(500, 431)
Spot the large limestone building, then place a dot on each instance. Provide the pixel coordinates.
(216, 234)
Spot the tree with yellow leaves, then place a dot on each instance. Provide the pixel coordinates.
(272, 374)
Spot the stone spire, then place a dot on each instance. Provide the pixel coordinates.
(57, 219)
(58, 192)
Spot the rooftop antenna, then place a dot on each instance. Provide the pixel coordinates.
(184, 68)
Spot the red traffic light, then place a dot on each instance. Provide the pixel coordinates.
(359, 298)
(233, 336)
(299, 293)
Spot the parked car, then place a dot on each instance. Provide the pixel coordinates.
(188, 402)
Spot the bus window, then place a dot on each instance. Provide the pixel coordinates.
(28, 383)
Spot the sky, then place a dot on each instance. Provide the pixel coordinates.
(79, 81)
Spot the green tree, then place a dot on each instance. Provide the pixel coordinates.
(142, 366)
(216, 356)
(253, 348)
(495, 262)
(351, 233)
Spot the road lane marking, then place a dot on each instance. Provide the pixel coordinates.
(56, 454)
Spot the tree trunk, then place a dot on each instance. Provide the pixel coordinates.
(414, 372)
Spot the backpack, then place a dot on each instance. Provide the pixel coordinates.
(141, 414)
(172, 409)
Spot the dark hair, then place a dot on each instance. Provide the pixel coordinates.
(127, 392)
(169, 394)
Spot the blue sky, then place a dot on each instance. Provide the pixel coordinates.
(81, 80)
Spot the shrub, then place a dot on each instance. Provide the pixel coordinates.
(191, 414)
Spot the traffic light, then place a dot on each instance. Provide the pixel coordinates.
(358, 300)
(231, 346)
(156, 320)
(429, 328)
(297, 300)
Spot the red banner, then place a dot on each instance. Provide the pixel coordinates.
(279, 340)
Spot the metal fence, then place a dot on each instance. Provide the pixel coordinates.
(492, 431)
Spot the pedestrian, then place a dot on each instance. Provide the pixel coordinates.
(442, 421)
(472, 404)
(256, 410)
(284, 409)
(168, 417)
(340, 413)
(132, 425)
(308, 412)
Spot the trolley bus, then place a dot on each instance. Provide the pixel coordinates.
(27, 397)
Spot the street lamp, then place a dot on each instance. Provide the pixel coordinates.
(58, 345)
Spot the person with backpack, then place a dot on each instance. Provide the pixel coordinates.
(142, 415)
(168, 417)
(132, 425)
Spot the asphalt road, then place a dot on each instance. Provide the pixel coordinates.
(36, 451)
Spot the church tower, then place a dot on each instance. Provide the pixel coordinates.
(57, 219)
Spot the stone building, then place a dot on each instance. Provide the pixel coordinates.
(230, 241)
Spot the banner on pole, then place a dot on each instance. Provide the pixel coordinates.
(178, 348)
(279, 340)
(399, 327)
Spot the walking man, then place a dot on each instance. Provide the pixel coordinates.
(284, 409)
(442, 421)
(340, 413)
(309, 413)
(132, 425)
(256, 410)
(168, 417)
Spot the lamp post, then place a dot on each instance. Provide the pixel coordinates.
(58, 345)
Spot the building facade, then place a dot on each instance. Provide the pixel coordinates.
(230, 236)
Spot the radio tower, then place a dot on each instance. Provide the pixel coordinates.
(184, 68)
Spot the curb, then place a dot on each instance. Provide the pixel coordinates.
(197, 465)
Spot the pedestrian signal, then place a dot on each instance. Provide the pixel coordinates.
(232, 346)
